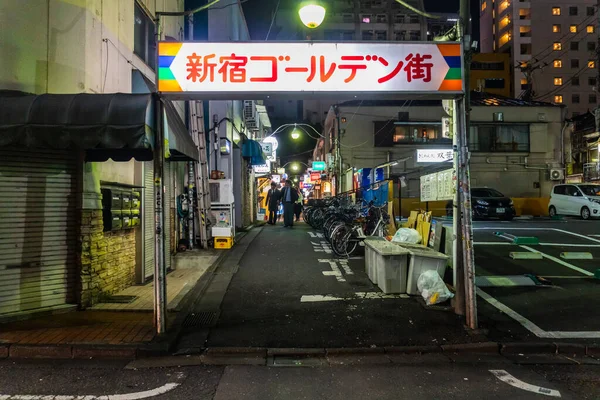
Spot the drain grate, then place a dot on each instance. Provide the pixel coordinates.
(206, 319)
(119, 299)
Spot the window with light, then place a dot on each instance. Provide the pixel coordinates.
(555, 10)
(591, 64)
(556, 28)
(557, 46)
(558, 99)
(558, 81)
(590, 29)
(573, 28)
(557, 63)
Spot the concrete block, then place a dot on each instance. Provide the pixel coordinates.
(295, 352)
(413, 349)
(52, 352)
(528, 348)
(3, 351)
(572, 349)
(100, 352)
(481, 348)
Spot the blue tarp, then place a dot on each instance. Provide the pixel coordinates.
(379, 195)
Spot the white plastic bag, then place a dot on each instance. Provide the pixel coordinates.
(407, 235)
(432, 288)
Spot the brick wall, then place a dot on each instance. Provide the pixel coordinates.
(107, 262)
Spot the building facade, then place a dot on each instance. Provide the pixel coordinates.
(513, 152)
(492, 73)
(62, 248)
(556, 61)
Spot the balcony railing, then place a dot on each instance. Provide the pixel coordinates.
(591, 172)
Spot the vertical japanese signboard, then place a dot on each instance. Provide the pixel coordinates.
(438, 186)
(303, 67)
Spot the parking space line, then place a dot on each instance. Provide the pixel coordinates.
(544, 229)
(527, 324)
(533, 328)
(492, 243)
(570, 245)
(559, 261)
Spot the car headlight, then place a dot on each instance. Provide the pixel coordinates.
(482, 202)
(594, 200)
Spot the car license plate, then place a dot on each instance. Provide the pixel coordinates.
(500, 210)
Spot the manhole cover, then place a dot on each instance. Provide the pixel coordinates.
(206, 318)
(119, 299)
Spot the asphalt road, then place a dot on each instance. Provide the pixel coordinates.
(259, 297)
(565, 306)
(263, 305)
(425, 380)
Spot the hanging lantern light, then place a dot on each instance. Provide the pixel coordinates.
(311, 13)
(295, 134)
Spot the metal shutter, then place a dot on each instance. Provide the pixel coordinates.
(168, 185)
(148, 219)
(38, 229)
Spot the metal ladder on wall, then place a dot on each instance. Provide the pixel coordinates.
(202, 185)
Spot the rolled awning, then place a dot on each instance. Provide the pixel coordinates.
(118, 126)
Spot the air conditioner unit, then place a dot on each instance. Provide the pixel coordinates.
(221, 191)
(250, 115)
(557, 174)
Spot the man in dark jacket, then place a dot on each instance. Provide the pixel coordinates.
(273, 202)
(289, 196)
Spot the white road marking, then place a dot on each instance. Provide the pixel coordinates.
(527, 324)
(315, 235)
(346, 267)
(321, 247)
(541, 229)
(127, 396)
(356, 296)
(493, 243)
(533, 328)
(335, 271)
(512, 381)
(559, 261)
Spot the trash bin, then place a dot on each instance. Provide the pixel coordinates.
(371, 257)
(420, 261)
(390, 261)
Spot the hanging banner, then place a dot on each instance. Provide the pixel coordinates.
(241, 68)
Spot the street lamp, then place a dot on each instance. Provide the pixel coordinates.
(296, 131)
(295, 134)
(295, 167)
(311, 13)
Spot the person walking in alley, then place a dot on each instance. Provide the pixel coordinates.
(273, 197)
(298, 205)
(289, 196)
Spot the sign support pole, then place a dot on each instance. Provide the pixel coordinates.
(463, 175)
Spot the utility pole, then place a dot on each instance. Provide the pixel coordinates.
(527, 69)
(597, 110)
(463, 176)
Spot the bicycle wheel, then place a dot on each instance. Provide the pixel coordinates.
(343, 240)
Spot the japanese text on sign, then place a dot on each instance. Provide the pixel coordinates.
(434, 155)
(300, 66)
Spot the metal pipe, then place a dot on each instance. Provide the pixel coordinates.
(160, 305)
(191, 164)
(457, 272)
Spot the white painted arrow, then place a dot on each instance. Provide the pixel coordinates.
(127, 396)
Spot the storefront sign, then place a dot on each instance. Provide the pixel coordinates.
(269, 150)
(263, 169)
(434, 155)
(438, 186)
(319, 165)
(256, 67)
(315, 176)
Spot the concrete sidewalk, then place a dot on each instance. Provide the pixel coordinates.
(112, 330)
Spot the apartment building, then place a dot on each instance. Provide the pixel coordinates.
(552, 45)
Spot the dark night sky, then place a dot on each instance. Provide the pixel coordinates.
(259, 19)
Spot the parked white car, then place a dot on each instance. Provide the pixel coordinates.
(581, 199)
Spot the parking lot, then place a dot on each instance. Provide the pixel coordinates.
(544, 291)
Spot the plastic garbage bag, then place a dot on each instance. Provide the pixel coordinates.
(407, 235)
(432, 288)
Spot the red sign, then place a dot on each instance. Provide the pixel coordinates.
(315, 176)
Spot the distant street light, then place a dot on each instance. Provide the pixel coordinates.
(295, 134)
(295, 167)
(311, 14)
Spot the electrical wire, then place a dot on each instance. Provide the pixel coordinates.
(188, 12)
(561, 87)
(534, 57)
(273, 20)
(413, 9)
